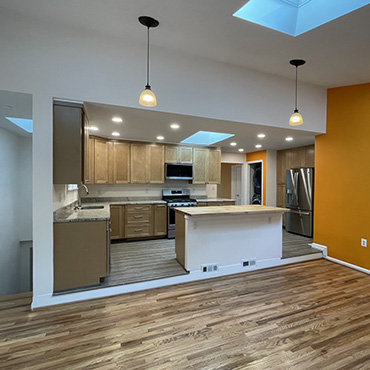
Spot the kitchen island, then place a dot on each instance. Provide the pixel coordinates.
(228, 237)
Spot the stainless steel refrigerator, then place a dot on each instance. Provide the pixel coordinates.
(299, 199)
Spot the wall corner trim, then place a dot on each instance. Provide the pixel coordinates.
(355, 267)
(321, 248)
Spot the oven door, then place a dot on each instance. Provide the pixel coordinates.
(171, 222)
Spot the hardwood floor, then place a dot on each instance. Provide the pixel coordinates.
(296, 245)
(312, 315)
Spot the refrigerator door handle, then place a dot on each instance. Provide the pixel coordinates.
(301, 213)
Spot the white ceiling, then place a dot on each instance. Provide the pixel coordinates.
(146, 125)
(18, 105)
(337, 53)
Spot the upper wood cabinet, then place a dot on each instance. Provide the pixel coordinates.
(310, 156)
(101, 161)
(155, 167)
(214, 166)
(299, 157)
(200, 165)
(68, 143)
(139, 156)
(121, 162)
(178, 154)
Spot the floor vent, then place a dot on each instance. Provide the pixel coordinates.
(210, 268)
(247, 263)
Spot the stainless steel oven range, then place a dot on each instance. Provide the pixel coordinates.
(176, 198)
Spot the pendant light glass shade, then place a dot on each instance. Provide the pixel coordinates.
(147, 98)
(296, 119)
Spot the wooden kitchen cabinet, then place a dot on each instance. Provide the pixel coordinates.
(310, 156)
(160, 220)
(81, 253)
(155, 161)
(139, 164)
(68, 143)
(299, 157)
(214, 166)
(101, 161)
(117, 222)
(178, 154)
(139, 221)
(200, 165)
(121, 162)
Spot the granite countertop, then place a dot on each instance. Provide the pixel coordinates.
(69, 214)
(229, 210)
(210, 200)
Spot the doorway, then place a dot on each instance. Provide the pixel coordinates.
(236, 183)
(255, 183)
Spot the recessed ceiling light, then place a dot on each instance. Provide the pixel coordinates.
(117, 119)
(258, 146)
(289, 138)
(115, 133)
(241, 150)
(160, 138)
(261, 136)
(175, 126)
(233, 144)
(93, 128)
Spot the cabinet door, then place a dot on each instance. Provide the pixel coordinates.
(280, 196)
(101, 161)
(117, 222)
(171, 154)
(310, 156)
(214, 166)
(200, 165)
(121, 163)
(280, 167)
(155, 164)
(160, 219)
(138, 163)
(299, 157)
(185, 154)
(67, 145)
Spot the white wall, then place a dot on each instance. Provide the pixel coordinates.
(9, 232)
(48, 62)
(271, 178)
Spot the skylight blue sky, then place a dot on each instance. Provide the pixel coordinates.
(295, 17)
(25, 124)
(206, 138)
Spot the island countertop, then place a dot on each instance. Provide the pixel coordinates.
(229, 210)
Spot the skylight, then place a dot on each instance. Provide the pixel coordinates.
(295, 17)
(23, 123)
(206, 138)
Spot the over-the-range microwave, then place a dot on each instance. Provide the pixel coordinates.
(178, 171)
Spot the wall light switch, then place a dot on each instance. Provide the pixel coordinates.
(363, 242)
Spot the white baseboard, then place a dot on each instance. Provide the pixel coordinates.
(321, 248)
(355, 267)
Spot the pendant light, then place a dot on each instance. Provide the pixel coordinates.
(296, 119)
(147, 97)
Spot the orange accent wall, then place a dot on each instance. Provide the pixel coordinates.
(260, 156)
(342, 176)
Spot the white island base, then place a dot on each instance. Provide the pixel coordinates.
(231, 238)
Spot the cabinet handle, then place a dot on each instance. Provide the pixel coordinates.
(138, 207)
(137, 230)
(138, 216)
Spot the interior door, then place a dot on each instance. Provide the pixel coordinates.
(236, 183)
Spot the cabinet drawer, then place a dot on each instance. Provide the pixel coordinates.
(138, 217)
(136, 231)
(202, 204)
(139, 208)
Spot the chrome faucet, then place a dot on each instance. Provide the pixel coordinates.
(79, 195)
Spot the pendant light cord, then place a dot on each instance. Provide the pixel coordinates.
(296, 88)
(147, 62)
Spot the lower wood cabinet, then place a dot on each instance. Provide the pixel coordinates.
(138, 221)
(81, 253)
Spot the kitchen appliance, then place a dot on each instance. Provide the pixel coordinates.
(178, 171)
(176, 198)
(299, 199)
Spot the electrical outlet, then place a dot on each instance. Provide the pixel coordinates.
(363, 242)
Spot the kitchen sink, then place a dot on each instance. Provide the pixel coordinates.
(92, 207)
